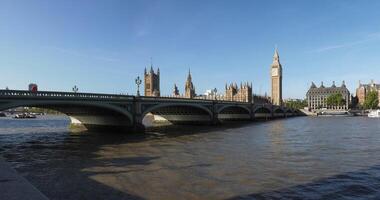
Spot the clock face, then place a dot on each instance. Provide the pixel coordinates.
(274, 71)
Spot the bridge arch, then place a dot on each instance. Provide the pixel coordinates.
(91, 115)
(178, 113)
(234, 112)
(262, 112)
(229, 108)
(289, 110)
(262, 109)
(279, 112)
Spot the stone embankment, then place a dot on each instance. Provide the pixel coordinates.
(308, 113)
(15, 187)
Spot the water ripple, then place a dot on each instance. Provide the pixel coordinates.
(299, 158)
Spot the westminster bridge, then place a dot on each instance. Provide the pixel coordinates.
(126, 112)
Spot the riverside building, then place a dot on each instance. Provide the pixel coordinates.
(317, 96)
(363, 90)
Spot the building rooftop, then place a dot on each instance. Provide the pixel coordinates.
(332, 89)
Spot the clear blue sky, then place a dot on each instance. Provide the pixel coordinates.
(101, 46)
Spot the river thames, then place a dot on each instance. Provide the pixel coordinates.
(295, 158)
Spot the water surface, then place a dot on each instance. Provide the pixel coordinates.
(295, 158)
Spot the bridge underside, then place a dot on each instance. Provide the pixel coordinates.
(278, 113)
(234, 113)
(93, 118)
(88, 117)
(181, 115)
(263, 113)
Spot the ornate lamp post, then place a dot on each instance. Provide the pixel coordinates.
(138, 83)
(75, 89)
(215, 91)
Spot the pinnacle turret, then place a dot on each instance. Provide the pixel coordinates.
(313, 85)
(189, 76)
(151, 69)
(276, 55)
(322, 86)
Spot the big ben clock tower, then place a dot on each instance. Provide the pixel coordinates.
(276, 77)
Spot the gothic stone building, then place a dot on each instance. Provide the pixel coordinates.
(317, 96)
(189, 87)
(242, 94)
(152, 82)
(363, 90)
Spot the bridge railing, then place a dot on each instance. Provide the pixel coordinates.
(183, 99)
(26, 93)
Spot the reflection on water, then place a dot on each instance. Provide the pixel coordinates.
(307, 158)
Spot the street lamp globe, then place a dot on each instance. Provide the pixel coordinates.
(138, 83)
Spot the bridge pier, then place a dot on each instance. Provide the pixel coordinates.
(137, 124)
(76, 125)
(215, 120)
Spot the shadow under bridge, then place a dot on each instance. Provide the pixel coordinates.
(93, 116)
(179, 114)
(234, 112)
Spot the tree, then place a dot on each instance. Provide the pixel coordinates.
(296, 104)
(335, 100)
(371, 100)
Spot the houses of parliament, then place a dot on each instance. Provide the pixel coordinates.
(232, 91)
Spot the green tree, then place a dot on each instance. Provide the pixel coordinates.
(371, 100)
(296, 104)
(330, 100)
(335, 100)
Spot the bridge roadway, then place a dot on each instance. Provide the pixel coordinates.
(125, 112)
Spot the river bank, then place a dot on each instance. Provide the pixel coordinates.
(15, 187)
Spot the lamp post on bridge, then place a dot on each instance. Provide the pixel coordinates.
(75, 89)
(138, 83)
(215, 91)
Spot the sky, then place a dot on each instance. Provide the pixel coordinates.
(102, 46)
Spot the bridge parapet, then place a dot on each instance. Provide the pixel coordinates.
(26, 93)
(43, 94)
(180, 99)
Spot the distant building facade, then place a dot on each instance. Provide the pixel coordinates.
(242, 94)
(276, 79)
(189, 87)
(363, 90)
(152, 82)
(317, 96)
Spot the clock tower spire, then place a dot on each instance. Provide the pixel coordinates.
(276, 79)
